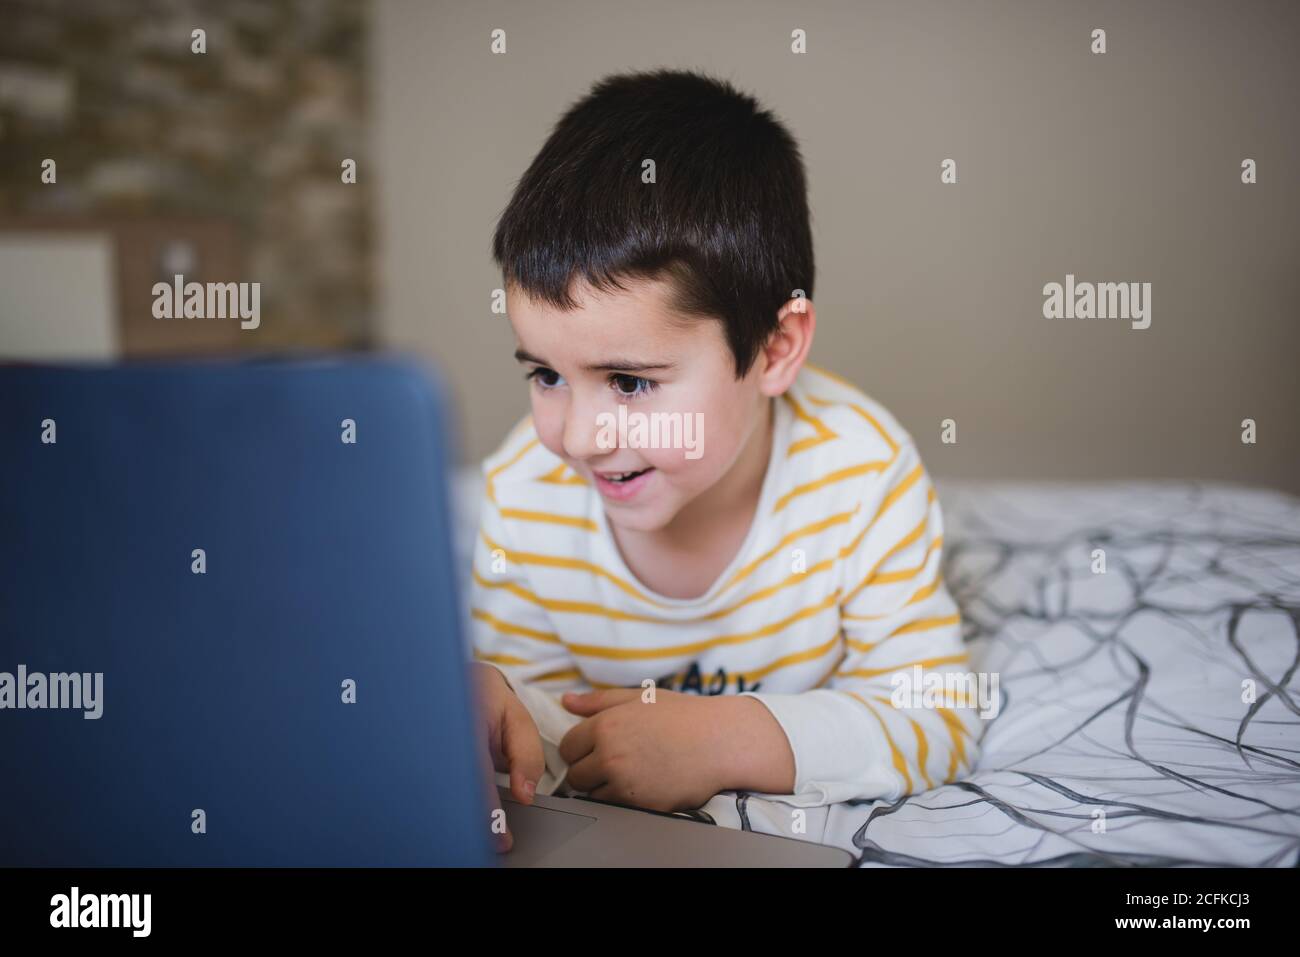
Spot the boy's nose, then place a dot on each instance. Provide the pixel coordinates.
(581, 430)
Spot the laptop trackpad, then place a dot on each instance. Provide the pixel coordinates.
(539, 831)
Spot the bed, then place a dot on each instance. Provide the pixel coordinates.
(1148, 714)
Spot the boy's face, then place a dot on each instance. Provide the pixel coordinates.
(627, 349)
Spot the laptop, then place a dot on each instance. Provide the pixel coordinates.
(230, 633)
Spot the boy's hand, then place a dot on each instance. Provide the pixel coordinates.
(664, 756)
(513, 740)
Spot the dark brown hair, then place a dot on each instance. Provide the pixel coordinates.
(726, 221)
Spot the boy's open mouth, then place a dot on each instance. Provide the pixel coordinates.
(623, 486)
(621, 477)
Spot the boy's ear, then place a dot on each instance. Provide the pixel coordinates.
(787, 347)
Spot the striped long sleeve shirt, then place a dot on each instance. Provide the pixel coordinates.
(836, 592)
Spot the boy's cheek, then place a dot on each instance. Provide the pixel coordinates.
(701, 456)
(549, 433)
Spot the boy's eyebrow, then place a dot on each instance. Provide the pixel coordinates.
(612, 365)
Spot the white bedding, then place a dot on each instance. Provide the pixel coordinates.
(1123, 737)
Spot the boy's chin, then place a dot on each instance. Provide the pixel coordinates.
(640, 519)
(635, 520)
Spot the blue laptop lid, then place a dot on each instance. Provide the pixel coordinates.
(324, 562)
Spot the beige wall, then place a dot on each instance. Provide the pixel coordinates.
(1117, 167)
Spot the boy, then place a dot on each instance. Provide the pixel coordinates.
(658, 621)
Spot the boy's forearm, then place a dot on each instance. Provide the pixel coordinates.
(753, 753)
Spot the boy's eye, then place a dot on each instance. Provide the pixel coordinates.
(546, 378)
(630, 386)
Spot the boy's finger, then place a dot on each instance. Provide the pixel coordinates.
(578, 742)
(495, 820)
(522, 746)
(499, 827)
(591, 702)
(586, 775)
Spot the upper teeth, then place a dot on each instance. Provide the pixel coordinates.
(619, 476)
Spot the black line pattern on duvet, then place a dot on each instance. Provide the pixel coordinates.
(1121, 693)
